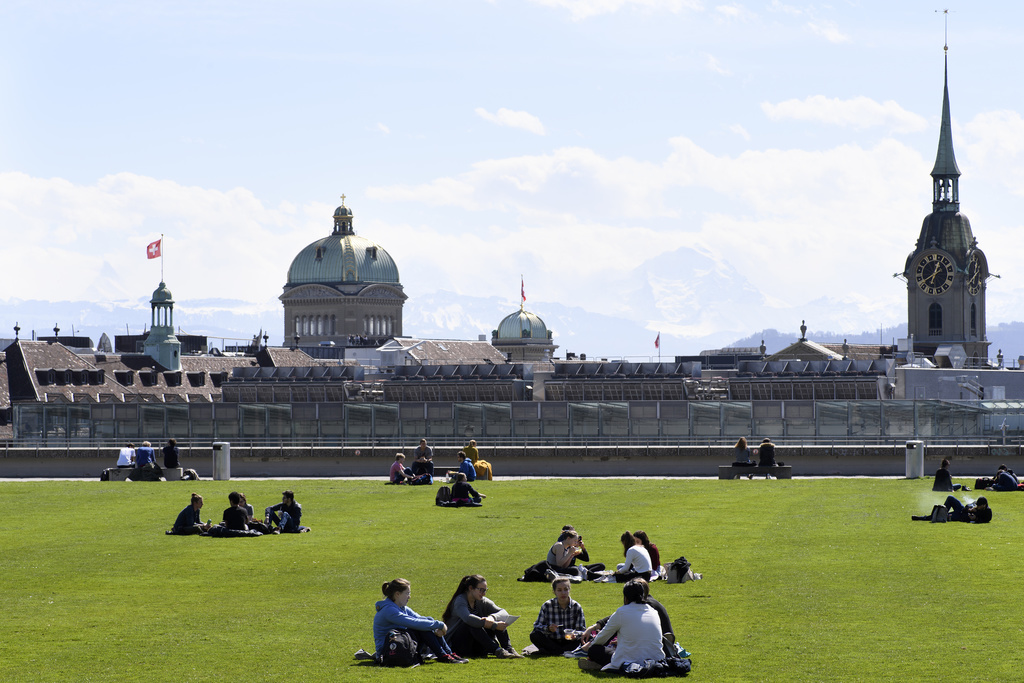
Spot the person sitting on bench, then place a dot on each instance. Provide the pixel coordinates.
(766, 453)
(978, 513)
(189, 521)
(742, 454)
(171, 455)
(126, 456)
(291, 514)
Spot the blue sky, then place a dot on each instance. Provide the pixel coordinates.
(572, 142)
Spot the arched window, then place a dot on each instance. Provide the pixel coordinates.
(935, 320)
(974, 321)
(298, 326)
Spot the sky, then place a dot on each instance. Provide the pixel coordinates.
(777, 152)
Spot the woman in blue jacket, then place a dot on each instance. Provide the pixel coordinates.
(393, 614)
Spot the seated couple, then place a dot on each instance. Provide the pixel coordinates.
(394, 614)
(1005, 480)
(464, 495)
(483, 468)
(642, 558)
(641, 627)
(419, 474)
(977, 513)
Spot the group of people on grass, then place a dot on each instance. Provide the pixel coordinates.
(422, 469)
(977, 512)
(641, 560)
(284, 517)
(472, 625)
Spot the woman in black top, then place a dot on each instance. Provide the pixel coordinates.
(943, 480)
(464, 495)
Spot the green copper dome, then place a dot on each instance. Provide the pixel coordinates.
(522, 325)
(162, 294)
(343, 257)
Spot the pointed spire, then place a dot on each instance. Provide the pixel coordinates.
(945, 173)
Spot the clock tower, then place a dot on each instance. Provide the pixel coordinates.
(946, 272)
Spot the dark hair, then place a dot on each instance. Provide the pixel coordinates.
(568, 527)
(642, 536)
(983, 501)
(467, 582)
(742, 443)
(392, 588)
(634, 591)
(1001, 468)
(288, 494)
(945, 463)
(172, 442)
(195, 497)
(627, 542)
(234, 497)
(571, 533)
(462, 455)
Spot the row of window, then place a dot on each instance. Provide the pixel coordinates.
(327, 325)
(935, 320)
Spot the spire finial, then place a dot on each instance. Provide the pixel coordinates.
(343, 199)
(945, 29)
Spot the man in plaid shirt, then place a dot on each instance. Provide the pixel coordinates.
(559, 623)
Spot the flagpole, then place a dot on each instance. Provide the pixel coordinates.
(659, 347)
(161, 257)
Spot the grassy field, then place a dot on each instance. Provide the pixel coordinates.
(804, 580)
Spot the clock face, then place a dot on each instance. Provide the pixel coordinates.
(934, 273)
(974, 278)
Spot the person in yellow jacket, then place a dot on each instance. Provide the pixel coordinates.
(482, 467)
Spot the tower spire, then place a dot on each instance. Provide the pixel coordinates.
(945, 173)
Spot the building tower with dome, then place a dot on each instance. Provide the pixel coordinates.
(523, 337)
(161, 345)
(946, 273)
(340, 286)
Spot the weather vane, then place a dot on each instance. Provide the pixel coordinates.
(945, 29)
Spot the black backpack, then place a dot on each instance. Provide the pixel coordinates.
(444, 496)
(399, 650)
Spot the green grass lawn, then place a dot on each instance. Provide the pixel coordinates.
(808, 580)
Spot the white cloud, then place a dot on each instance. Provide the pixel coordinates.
(739, 130)
(513, 119)
(584, 9)
(995, 140)
(828, 30)
(858, 112)
(734, 12)
(712, 64)
(382, 128)
(777, 6)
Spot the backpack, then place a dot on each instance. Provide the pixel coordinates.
(399, 650)
(444, 495)
(677, 570)
(940, 513)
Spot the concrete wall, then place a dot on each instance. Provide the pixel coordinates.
(968, 461)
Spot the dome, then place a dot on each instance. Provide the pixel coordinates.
(343, 258)
(522, 325)
(162, 294)
(342, 211)
(948, 231)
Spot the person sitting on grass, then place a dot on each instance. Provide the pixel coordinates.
(235, 516)
(400, 474)
(466, 467)
(559, 623)
(978, 513)
(652, 551)
(483, 468)
(393, 613)
(464, 495)
(638, 560)
(636, 627)
(291, 514)
(424, 462)
(943, 480)
(1006, 480)
(189, 521)
(668, 637)
(251, 521)
(472, 628)
(563, 554)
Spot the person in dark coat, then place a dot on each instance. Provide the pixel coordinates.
(943, 480)
(766, 453)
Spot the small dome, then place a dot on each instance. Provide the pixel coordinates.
(522, 325)
(342, 259)
(949, 231)
(162, 294)
(342, 211)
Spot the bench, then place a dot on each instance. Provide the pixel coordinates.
(121, 473)
(732, 472)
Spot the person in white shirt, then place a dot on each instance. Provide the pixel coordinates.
(638, 560)
(126, 456)
(637, 627)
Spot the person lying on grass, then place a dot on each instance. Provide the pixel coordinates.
(189, 522)
(637, 628)
(638, 560)
(472, 628)
(560, 621)
(979, 513)
(291, 513)
(393, 613)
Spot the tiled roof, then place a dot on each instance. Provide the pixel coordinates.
(448, 352)
(5, 389)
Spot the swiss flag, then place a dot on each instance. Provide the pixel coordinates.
(153, 250)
